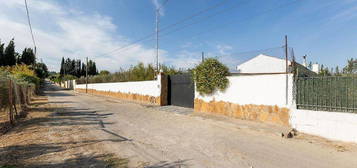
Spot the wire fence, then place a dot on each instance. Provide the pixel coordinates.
(15, 96)
(337, 93)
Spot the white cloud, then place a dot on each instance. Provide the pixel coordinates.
(345, 15)
(223, 49)
(70, 33)
(184, 59)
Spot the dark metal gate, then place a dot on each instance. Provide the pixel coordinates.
(181, 91)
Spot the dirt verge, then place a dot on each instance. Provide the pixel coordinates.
(46, 139)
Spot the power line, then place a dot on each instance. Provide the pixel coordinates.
(169, 26)
(203, 19)
(195, 14)
(29, 22)
(246, 18)
(192, 16)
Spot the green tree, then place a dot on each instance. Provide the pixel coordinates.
(324, 71)
(351, 66)
(41, 70)
(9, 55)
(2, 61)
(337, 71)
(62, 67)
(104, 72)
(83, 70)
(170, 70)
(28, 57)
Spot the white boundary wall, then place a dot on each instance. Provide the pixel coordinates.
(332, 125)
(255, 89)
(146, 88)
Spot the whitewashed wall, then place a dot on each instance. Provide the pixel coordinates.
(331, 125)
(255, 89)
(149, 88)
(69, 84)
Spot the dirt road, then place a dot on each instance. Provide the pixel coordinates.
(147, 136)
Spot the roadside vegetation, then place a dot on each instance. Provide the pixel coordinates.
(20, 78)
(349, 70)
(139, 72)
(210, 75)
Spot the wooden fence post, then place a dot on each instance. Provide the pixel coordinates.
(10, 103)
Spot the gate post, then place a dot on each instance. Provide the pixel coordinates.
(163, 89)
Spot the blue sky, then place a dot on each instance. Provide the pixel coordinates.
(325, 30)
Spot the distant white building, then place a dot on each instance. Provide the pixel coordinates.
(263, 64)
(316, 68)
(269, 64)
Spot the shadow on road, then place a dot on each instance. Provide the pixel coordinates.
(20, 153)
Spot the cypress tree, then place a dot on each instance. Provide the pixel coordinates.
(9, 55)
(62, 67)
(2, 61)
(28, 57)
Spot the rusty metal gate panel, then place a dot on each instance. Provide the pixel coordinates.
(181, 91)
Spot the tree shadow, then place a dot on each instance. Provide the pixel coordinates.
(57, 94)
(17, 155)
(64, 116)
(85, 161)
(165, 164)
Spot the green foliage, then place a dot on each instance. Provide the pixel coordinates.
(139, 72)
(9, 57)
(104, 72)
(68, 77)
(22, 73)
(2, 59)
(76, 68)
(28, 78)
(41, 70)
(210, 75)
(324, 71)
(27, 57)
(351, 67)
(55, 77)
(170, 70)
(337, 71)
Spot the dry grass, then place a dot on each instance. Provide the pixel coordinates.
(44, 140)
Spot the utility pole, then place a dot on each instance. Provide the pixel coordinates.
(203, 56)
(157, 34)
(286, 69)
(157, 39)
(87, 75)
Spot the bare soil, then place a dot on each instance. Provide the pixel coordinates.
(44, 139)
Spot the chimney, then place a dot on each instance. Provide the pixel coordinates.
(305, 62)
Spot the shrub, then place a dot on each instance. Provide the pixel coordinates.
(139, 72)
(210, 75)
(28, 78)
(19, 69)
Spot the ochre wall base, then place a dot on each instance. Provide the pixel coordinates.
(262, 113)
(126, 96)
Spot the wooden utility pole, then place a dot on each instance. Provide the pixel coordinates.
(87, 75)
(157, 39)
(203, 56)
(286, 69)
